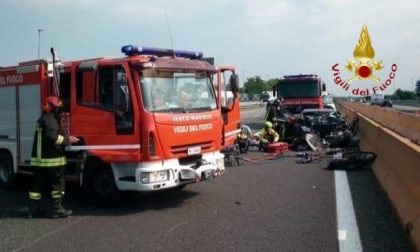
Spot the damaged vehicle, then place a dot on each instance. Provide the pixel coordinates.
(328, 102)
(315, 129)
(328, 129)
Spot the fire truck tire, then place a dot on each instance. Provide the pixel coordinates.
(103, 189)
(7, 174)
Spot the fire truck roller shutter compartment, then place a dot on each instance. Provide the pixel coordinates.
(29, 104)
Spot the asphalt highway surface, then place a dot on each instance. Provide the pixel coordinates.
(262, 205)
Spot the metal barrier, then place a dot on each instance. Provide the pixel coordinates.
(411, 103)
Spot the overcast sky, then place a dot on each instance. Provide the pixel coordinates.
(269, 38)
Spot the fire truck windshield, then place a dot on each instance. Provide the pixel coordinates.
(168, 91)
(299, 88)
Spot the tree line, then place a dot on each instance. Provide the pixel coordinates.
(256, 85)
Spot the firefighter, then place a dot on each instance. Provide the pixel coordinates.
(267, 135)
(242, 139)
(48, 160)
(276, 114)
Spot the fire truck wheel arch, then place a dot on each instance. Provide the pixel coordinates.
(7, 174)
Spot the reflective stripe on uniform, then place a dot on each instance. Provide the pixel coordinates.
(34, 195)
(60, 140)
(56, 194)
(38, 141)
(48, 162)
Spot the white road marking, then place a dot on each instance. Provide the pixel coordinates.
(348, 232)
(342, 234)
(49, 234)
(177, 226)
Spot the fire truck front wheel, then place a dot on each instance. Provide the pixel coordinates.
(102, 188)
(7, 174)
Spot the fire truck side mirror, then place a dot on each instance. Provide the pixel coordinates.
(324, 87)
(234, 83)
(274, 90)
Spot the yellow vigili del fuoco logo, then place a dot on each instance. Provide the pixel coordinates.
(364, 67)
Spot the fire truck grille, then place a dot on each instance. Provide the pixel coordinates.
(178, 149)
(296, 109)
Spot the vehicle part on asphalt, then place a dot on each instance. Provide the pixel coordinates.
(351, 161)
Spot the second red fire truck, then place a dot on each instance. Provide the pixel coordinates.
(300, 92)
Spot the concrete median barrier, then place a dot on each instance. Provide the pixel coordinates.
(409, 126)
(390, 118)
(397, 166)
(405, 124)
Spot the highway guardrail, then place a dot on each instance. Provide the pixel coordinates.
(411, 103)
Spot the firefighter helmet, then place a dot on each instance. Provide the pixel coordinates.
(50, 103)
(268, 124)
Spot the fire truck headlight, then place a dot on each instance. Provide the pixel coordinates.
(144, 177)
(153, 177)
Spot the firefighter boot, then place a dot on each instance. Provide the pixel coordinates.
(34, 209)
(58, 210)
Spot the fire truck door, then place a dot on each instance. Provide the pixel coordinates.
(229, 102)
(103, 96)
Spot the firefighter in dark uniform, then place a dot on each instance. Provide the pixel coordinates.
(48, 160)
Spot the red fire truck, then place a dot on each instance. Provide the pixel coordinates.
(300, 92)
(151, 120)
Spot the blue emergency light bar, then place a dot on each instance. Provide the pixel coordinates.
(131, 50)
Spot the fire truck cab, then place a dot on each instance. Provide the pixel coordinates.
(152, 120)
(300, 92)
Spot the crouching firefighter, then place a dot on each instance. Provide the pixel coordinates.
(242, 139)
(267, 136)
(48, 160)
